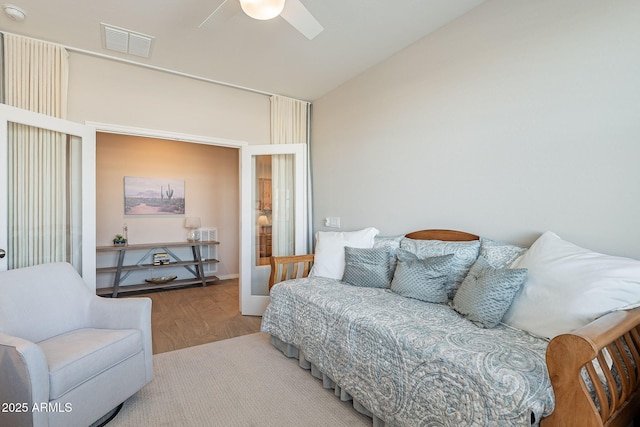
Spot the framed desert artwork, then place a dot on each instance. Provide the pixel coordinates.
(153, 196)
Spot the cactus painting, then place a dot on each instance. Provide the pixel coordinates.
(153, 196)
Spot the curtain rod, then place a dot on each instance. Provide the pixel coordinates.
(152, 67)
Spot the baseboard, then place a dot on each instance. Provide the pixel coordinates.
(227, 276)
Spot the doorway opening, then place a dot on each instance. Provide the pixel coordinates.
(210, 174)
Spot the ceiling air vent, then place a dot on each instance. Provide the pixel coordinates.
(126, 41)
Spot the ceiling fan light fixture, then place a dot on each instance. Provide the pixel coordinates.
(262, 9)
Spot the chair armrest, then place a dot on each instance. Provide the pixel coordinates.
(125, 313)
(120, 313)
(618, 335)
(289, 267)
(24, 381)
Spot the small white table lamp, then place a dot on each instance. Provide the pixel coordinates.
(193, 225)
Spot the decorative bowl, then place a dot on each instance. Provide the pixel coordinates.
(158, 280)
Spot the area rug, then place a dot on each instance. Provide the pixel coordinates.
(241, 381)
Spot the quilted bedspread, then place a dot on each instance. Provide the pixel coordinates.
(410, 362)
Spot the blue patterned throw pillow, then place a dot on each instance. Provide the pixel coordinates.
(499, 254)
(486, 293)
(422, 278)
(391, 242)
(465, 254)
(368, 267)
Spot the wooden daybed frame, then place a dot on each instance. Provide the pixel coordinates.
(617, 333)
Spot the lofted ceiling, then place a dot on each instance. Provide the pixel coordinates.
(269, 56)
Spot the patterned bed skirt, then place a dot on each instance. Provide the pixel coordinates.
(291, 351)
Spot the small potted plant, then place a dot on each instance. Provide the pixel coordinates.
(119, 240)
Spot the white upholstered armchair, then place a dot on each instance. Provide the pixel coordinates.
(67, 356)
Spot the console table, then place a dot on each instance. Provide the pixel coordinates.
(195, 266)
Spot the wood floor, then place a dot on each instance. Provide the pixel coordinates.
(192, 316)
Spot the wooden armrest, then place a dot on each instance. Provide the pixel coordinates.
(289, 267)
(616, 335)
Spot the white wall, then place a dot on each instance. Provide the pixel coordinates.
(516, 118)
(110, 92)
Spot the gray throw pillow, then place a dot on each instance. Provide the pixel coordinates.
(486, 293)
(368, 267)
(422, 278)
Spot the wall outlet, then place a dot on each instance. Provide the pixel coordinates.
(332, 222)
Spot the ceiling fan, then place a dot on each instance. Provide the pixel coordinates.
(292, 11)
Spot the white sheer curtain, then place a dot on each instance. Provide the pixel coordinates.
(43, 184)
(289, 125)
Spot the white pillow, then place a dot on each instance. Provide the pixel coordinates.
(329, 256)
(569, 286)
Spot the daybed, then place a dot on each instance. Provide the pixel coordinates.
(408, 362)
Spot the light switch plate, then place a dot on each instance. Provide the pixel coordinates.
(332, 222)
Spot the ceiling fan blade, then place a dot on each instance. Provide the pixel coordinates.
(224, 11)
(301, 19)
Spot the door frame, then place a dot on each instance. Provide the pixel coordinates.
(88, 136)
(181, 137)
(169, 136)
